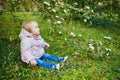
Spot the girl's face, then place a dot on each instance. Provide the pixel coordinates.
(35, 29)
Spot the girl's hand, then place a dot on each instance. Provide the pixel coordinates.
(32, 62)
(47, 45)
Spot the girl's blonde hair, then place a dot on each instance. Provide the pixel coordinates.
(28, 25)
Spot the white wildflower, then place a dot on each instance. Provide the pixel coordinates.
(55, 22)
(76, 9)
(100, 42)
(92, 11)
(48, 4)
(72, 34)
(91, 40)
(11, 38)
(51, 39)
(81, 9)
(13, 2)
(53, 10)
(65, 39)
(75, 3)
(65, 11)
(19, 1)
(87, 17)
(57, 16)
(108, 49)
(60, 32)
(10, 53)
(107, 54)
(59, 22)
(49, 7)
(100, 3)
(49, 20)
(62, 19)
(91, 46)
(87, 7)
(80, 35)
(62, 4)
(76, 52)
(70, 7)
(85, 20)
(58, 2)
(107, 37)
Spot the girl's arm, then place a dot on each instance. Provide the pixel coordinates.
(42, 43)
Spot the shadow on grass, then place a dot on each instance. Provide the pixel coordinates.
(9, 57)
(112, 26)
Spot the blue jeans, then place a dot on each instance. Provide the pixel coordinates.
(40, 61)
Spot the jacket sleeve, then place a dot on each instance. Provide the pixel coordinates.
(26, 50)
(42, 43)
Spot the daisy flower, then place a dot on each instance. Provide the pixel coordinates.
(91, 46)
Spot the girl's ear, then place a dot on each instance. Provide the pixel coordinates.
(30, 30)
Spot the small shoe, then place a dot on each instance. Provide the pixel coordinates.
(64, 58)
(56, 66)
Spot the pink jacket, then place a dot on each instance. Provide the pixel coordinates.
(31, 48)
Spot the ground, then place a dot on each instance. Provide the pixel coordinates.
(93, 51)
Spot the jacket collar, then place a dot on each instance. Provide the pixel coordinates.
(25, 33)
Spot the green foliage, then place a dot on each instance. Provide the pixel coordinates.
(93, 51)
(96, 12)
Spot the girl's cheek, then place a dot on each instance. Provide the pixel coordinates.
(37, 31)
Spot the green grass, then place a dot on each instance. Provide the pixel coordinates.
(83, 63)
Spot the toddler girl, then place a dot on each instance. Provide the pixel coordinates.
(32, 47)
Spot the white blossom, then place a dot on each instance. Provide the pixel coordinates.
(76, 52)
(70, 7)
(55, 22)
(108, 49)
(60, 32)
(87, 17)
(59, 22)
(75, 9)
(91, 40)
(49, 20)
(65, 39)
(13, 2)
(19, 1)
(91, 46)
(81, 9)
(64, 11)
(92, 11)
(53, 10)
(87, 7)
(49, 7)
(80, 35)
(85, 20)
(100, 42)
(107, 54)
(72, 34)
(62, 3)
(107, 37)
(48, 4)
(57, 16)
(100, 4)
(76, 3)
(62, 19)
